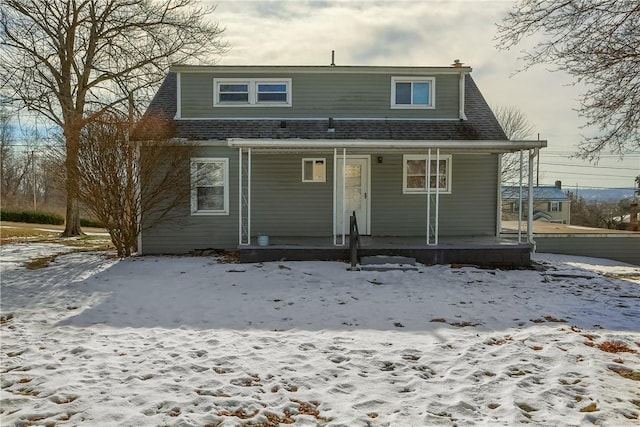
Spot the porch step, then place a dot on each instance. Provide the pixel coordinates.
(387, 263)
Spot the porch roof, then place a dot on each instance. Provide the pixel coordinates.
(474, 146)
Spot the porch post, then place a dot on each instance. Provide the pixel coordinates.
(428, 183)
(249, 196)
(499, 198)
(344, 196)
(520, 200)
(532, 155)
(335, 195)
(240, 207)
(437, 231)
(244, 197)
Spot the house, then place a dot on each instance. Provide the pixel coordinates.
(285, 154)
(550, 203)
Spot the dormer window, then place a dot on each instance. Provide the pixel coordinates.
(252, 92)
(233, 92)
(412, 92)
(271, 92)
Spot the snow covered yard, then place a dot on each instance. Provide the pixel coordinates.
(188, 341)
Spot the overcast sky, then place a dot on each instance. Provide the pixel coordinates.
(423, 33)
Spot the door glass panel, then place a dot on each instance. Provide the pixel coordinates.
(353, 185)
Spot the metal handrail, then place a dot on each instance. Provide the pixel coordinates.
(354, 240)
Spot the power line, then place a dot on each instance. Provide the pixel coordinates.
(588, 166)
(600, 177)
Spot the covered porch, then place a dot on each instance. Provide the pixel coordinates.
(481, 250)
(421, 237)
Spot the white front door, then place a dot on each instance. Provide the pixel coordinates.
(356, 191)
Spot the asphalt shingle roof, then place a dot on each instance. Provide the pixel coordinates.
(481, 124)
(547, 193)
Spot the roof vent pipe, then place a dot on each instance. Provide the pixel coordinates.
(333, 57)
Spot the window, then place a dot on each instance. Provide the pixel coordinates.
(412, 92)
(209, 186)
(233, 92)
(240, 92)
(416, 169)
(272, 92)
(314, 170)
(555, 207)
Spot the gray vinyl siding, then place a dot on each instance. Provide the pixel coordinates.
(468, 211)
(321, 96)
(185, 232)
(283, 205)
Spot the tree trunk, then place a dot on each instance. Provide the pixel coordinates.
(72, 220)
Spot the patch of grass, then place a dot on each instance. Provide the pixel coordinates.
(592, 407)
(526, 407)
(40, 262)
(12, 235)
(626, 373)
(615, 347)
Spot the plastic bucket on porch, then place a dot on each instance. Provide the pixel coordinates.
(263, 240)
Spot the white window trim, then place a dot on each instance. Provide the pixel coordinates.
(414, 79)
(406, 190)
(253, 92)
(194, 187)
(315, 159)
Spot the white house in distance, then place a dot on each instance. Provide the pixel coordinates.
(550, 203)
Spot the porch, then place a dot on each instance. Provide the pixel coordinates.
(477, 250)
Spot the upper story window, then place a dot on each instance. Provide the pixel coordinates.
(233, 92)
(238, 92)
(412, 92)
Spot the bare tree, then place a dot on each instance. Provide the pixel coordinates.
(72, 60)
(598, 43)
(121, 179)
(517, 127)
(16, 165)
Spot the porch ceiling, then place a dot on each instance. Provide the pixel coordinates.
(470, 146)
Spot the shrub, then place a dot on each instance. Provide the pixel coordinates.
(84, 222)
(32, 217)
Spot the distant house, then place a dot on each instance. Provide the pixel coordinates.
(550, 203)
(290, 152)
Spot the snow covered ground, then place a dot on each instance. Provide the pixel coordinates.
(189, 341)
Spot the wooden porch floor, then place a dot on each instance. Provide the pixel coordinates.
(482, 250)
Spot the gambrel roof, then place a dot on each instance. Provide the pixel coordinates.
(481, 124)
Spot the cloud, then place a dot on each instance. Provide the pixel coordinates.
(407, 32)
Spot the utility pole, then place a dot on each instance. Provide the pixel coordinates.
(33, 178)
(538, 166)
